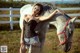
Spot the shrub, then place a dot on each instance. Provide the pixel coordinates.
(17, 4)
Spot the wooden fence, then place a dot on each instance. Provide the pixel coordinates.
(11, 15)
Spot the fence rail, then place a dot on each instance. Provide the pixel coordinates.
(11, 15)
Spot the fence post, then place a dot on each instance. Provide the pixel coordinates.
(11, 20)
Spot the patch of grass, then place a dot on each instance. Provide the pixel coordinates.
(7, 27)
(12, 39)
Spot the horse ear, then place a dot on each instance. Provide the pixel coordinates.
(73, 19)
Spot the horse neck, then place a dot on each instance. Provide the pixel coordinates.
(60, 21)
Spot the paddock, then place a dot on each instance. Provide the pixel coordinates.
(12, 39)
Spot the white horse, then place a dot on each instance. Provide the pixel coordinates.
(63, 24)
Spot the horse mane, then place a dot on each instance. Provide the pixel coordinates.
(47, 9)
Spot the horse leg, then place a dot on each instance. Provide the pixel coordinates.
(35, 49)
(38, 48)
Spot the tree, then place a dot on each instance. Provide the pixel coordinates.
(10, 0)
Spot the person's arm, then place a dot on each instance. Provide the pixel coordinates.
(62, 12)
(48, 17)
(52, 14)
(22, 30)
(22, 36)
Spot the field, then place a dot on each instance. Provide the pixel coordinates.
(12, 38)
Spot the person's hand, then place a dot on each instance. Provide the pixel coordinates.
(58, 10)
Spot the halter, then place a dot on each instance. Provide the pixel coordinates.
(64, 32)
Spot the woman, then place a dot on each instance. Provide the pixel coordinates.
(30, 22)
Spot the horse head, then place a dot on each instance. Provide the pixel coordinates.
(69, 33)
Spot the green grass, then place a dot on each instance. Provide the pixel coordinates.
(12, 38)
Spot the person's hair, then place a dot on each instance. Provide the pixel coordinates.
(41, 8)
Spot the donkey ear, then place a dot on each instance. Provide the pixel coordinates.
(73, 19)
